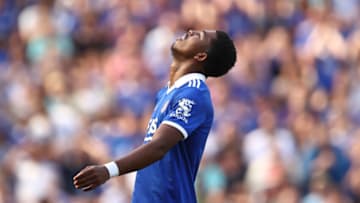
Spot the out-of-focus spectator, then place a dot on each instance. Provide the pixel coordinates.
(158, 42)
(269, 150)
(38, 32)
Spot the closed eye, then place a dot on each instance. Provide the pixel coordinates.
(191, 33)
(197, 34)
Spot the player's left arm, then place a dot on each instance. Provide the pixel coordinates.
(164, 139)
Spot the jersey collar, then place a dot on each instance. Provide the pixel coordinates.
(185, 79)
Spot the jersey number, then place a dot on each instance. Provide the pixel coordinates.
(152, 126)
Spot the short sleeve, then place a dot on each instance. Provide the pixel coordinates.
(187, 112)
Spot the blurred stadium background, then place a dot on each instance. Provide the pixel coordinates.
(78, 79)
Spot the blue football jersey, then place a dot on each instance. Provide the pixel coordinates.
(187, 107)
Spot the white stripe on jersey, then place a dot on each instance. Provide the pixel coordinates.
(147, 139)
(194, 83)
(198, 83)
(177, 126)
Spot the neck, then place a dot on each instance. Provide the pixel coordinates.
(180, 68)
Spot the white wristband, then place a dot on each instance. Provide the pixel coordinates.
(112, 169)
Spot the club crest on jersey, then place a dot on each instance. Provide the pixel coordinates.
(183, 110)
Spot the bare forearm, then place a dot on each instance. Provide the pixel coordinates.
(165, 138)
(93, 176)
(140, 158)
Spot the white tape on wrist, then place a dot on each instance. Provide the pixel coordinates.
(112, 169)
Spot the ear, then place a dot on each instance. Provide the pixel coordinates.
(200, 56)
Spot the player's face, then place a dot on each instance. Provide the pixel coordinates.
(193, 42)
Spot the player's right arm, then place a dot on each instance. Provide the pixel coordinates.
(186, 114)
(164, 139)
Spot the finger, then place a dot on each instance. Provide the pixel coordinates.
(84, 182)
(84, 178)
(86, 188)
(83, 174)
(83, 171)
(80, 174)
(90, 187)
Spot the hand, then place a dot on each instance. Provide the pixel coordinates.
(91, 177)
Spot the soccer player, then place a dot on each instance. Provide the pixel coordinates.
(168, 161)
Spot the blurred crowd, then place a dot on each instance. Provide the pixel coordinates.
(78, 80)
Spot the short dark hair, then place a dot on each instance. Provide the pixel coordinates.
(221, 55)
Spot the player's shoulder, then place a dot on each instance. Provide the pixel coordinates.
(195, 84)
(195, 91)
(195, 87)
(162, 91)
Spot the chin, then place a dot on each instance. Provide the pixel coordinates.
(173, 48)
(177, 49)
